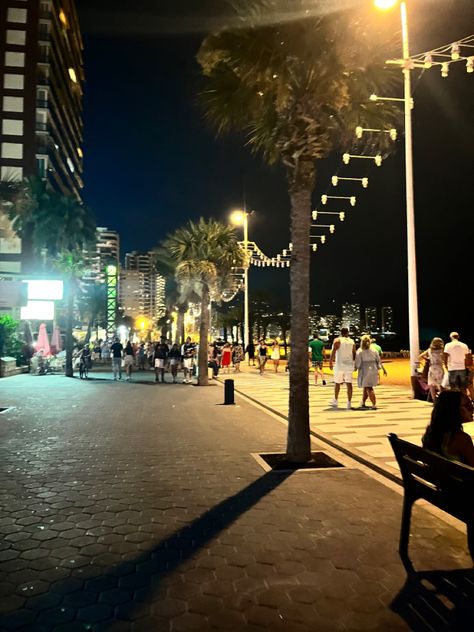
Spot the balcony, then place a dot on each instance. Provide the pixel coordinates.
(40, 103)
(41, 127)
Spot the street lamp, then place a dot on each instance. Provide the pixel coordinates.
(410, 206)
(241, 218)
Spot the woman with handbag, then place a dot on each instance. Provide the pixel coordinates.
(434, 367)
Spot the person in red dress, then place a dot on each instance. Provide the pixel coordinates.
(226, 358)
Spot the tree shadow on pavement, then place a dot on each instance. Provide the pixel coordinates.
(71, 602)
(437, 600)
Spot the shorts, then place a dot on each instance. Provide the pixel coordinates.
(317, 364)
(343, 377)
(188, 363)
(159, 363)
(458, 379)
(128, 361)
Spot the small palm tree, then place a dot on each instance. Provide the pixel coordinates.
(204, 253)
(296, 84)
(71, 266)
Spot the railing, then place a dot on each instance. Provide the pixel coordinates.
(41, 127)
(41, 103)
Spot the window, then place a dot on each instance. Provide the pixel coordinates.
(13, 104)
(11, 127)
(12, 150)
(14, 59)
(16, 37)
(13, 82)
(12, 173)
(42, 166)
(16, 15)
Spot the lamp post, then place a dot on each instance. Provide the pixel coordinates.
(410, 206)
(241, 218)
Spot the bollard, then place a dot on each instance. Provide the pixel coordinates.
(229, 393)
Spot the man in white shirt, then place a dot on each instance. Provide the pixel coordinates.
(455, 353)
(342, 358)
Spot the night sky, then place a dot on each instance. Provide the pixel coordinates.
(151, 163)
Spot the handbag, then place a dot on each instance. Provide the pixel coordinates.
(426, 368)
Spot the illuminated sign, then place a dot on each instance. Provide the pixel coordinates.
(45, 290)
(38, 310)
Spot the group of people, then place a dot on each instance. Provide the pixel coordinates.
(262, 352)
(448, 366)
(346, 358)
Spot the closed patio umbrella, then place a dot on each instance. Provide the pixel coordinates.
(56, 346)
(42, 344)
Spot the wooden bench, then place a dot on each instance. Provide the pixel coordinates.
(449, 485)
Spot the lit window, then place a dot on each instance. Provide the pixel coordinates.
(18, 38)
(16, 15)
(72, 74)
(12, 150)
(63, 18)
(70, 164)
(13, 82)
(80, 153)
(12, 173)
(14, 59)
(12, 104)
(10, 127)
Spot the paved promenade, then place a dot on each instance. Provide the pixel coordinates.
(139, 507)
(361, 432)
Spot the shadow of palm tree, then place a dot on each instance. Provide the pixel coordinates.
(437, 600)
(145, 571)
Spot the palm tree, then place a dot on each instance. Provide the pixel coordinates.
(297, 85)
(71, 266)
(204, 252)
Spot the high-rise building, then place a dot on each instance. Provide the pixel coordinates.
(351, 316)
(106, 252)
(387, 318)
(150, 283)
(41, 78)
(329, 322)
(314, 319)
(370, 319)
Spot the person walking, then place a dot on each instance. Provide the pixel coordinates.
(262, 356)
(174, 358)
(188, 351)
(316, 356)
(275, 355)
(212, 362)
(435, 356)
(250, 351)
(116, 349)
(342, 359)
(129, 360)
(237, 356)
(368, 365)
(455, 354)
(160, 356)
(141, 357)
(226, 357)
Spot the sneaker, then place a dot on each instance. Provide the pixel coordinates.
(373, 407)
(349, 406)
(362, 405)
(333, 403)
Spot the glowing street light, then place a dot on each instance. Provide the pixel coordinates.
(410, 205)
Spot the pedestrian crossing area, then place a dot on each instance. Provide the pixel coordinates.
(361, 432)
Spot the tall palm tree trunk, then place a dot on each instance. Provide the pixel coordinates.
(203, 379)
(69, 370)
(301, 185)
(180, 325)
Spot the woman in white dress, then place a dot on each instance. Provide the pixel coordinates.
(368, 365)
(434, 354)
(275, 356)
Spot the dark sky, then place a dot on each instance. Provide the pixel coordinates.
(151, 163)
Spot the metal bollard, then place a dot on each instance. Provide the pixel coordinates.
(229, 393)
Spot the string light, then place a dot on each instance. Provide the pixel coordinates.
(455, 51)
(444, 69)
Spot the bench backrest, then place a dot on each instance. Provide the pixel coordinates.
(445, 483)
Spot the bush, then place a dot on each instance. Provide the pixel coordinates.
(10, 343)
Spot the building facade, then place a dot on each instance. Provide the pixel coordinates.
(387, 319)
(41, 79)
(351, 316)
(106, 252)
(371, 322)
(142, 289)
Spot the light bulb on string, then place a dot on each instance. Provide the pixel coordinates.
(342, 216)
(334, 181)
